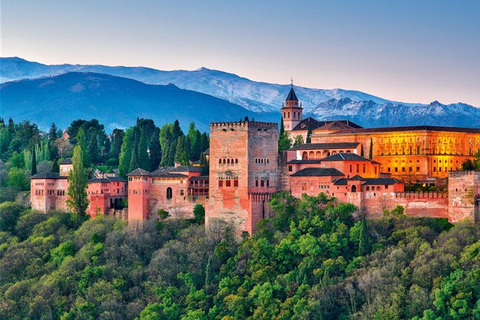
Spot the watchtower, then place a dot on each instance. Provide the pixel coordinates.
(243, 172)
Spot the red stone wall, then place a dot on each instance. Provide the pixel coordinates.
(463, 192)
(243, 162)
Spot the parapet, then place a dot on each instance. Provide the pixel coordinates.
(242, 125)
(421, 195)
(455, 174)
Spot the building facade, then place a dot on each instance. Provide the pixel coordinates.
(243, 172)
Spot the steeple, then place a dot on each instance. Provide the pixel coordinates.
(291, 95)
(291, 111)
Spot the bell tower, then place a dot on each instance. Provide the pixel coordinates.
(291, 111)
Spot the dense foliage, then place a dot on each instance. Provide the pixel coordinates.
(312, 260)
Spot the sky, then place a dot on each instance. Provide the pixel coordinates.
(410, 50)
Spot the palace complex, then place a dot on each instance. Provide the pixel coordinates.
(368, 167)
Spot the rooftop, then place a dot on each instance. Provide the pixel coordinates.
(48, 175)
(317, 172)
(345, 157)
(408, 128)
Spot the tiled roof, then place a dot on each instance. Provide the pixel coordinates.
(345, 157)
(139, 172)
(199, 178)
(381, 181)
(332, 145)
(315, 172)
(48, 175)
(303, 161)
(291, 95)
(186, 169)
(336, 124)
(367, 181)
(66, 161)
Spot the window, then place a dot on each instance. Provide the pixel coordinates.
(354, 188)
(290, 168)
(262, 183)
(220, 183)
(418, 169)
(235, 183)
(181, 192)
(228, 183)
(169, 193)
(304, 186)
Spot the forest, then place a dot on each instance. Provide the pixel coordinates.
(25, 150)
(314, 259)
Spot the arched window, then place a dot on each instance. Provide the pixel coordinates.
(354, 188)
(304, 155)
(169, 193)
(368, 188)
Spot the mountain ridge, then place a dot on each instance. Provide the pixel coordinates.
(78, 95)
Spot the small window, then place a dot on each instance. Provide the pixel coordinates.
(228, 183)
(235, 183)
(220, 183)
(169, 193)
(290, 168)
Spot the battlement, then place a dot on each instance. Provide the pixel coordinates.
(421, 195)
(242, 124)
(463, 173)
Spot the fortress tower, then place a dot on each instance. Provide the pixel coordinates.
(243, 172)
(138, 195)
(291, 111)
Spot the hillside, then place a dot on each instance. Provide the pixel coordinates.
(114, 101)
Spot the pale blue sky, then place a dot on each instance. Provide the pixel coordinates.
(405, 50)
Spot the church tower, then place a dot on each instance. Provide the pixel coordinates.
(291, 111)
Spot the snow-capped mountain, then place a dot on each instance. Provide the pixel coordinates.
(372, 114)
(259, 97)
(254, 96)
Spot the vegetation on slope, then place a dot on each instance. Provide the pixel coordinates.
(312, 260)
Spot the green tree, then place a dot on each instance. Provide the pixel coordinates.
(199, 213)
(34, 162)
(298, 140)
(77, 200)
(181, 151)
(143, 158)
(284, 142)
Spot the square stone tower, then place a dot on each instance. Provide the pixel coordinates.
(463, 195)
(243, 172)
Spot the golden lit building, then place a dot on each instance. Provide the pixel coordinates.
(410, 153)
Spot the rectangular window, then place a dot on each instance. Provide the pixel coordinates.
(220, 183)
(290, 168)
(256, 182)
(403, 169)
(418, 169)
(235, 183)
(262, 183)
(358, 168)
(268, 183)
(388, 169)
(304, 186)
(386, 186)
(396, 169)
(228, 183)
(181, 192)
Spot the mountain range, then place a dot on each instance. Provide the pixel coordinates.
(254, 99)
(116, 102)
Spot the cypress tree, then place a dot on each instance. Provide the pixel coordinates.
(34, 161)
(370, 152)
(77, 200)
(181, 152)
(155, 150)
(143, 159)
(309, 133)
(284, 142)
